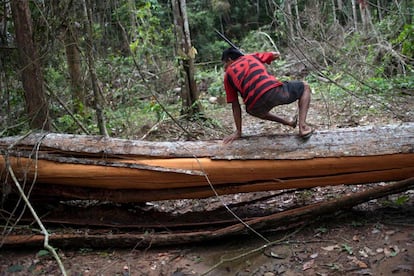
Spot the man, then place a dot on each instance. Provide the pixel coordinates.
(247, 75)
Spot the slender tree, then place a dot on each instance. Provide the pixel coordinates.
(31, 72)
(354, 13)
(73, 57)
(289, 18)
(189, 92)
(98, 98)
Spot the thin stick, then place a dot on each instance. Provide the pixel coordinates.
(36, 217)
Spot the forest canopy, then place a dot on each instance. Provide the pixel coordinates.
(118, 67)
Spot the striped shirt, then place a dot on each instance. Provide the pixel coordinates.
(248, 76)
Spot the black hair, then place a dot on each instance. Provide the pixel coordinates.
(231, 53)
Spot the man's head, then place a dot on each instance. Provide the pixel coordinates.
(231, 54)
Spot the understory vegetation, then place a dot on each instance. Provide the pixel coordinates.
(361, 62)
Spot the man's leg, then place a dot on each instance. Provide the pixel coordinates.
(270, 117)
(276, 96)
(303, 103)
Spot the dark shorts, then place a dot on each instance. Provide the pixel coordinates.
(287, 93)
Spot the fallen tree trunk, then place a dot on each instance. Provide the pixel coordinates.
(283, 219)
(91, 167)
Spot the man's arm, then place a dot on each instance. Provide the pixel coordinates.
(235, 105)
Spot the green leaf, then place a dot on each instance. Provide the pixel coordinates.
(15, 268)
(43, 253)
(401, 200)
(347, 248)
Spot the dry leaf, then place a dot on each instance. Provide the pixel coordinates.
(357, 262)
(363, 253)
(308, 265)
(369, 251)
(331, 247)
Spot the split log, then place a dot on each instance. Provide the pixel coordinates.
(285, 219)
(91, 167)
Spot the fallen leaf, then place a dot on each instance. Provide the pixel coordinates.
(357, 262)
(363, 253)
(314, 255)
(331, 247)
(308, 265)
(369, 251)
(391, 251)
(387, 252)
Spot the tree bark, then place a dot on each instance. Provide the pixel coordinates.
(189, 91)
(289, 19)
(31, 72)
(298, 25)
(90, 167)
(354, 13)
(73, 59)
(98, 98)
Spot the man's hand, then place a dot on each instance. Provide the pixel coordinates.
(231, 138)
(276, 55)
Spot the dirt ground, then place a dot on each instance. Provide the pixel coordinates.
(374, 238)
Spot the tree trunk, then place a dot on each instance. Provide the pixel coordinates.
(189, 92)
(285, 219)
(334, 12)
(98, 98)
(73, 54)
(298, 25)
(89, 167)
(74, 68)
(32, 76)
(354, 13)
(365, 17)
(379, 10)
(289, 19)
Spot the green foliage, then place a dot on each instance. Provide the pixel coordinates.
(15, 268)
(258, 41)
(67, 124)
(43, 253)
(355, 63)
(55, 78)
(347, 248)
(396, 202)
(406, 40)
(213, 80)
(151, 32)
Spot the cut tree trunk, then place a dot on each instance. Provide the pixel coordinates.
(285, 219)
(91, 167)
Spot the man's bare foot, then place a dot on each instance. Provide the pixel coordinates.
(305, 132)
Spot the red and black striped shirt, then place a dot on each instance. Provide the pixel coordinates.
(248, 75)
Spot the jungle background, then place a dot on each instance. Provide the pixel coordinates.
(152, 70)
(118, 68)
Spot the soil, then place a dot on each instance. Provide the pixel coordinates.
(374, 238)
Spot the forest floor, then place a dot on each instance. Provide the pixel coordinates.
(373, 238)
